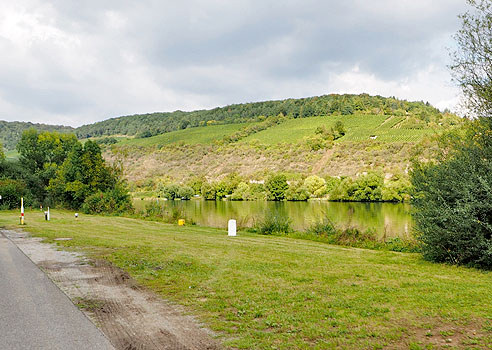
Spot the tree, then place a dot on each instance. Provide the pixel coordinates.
(453, 194)
(472, 67)
(40, 155)
(453, 201)
(276, 185)
(83, 173)
(36, 149)
(339, 129)
(316, 186)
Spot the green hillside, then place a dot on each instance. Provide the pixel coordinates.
(144, 125)
(375, 109)
(358, 128)
(198, 135)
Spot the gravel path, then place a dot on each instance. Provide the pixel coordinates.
(35, 313)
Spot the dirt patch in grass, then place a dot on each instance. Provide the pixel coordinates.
(441, 334)
(130, 316)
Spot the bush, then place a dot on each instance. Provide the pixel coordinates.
(171, 192)
(242, 192)
(12, 191)
(315, 185)
(175, 191)
(196, 183)
(276, 185)
(208, 191)
(453, 201)
(186, 192)
(365, 188)
(297, 192)
(322, 228)
(274, 222)
(115, 201)
(170, 214)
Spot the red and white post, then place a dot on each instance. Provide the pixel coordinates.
(22, 211)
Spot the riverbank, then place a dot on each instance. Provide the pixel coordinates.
(389, 220)
(264, 292)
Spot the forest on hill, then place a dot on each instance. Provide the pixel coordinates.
(146, 125)
(11, 132)
(422, 115)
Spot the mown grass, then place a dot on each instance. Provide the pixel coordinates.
(199, 135)
(266, 292)
(358, 128)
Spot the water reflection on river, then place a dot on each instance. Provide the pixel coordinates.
(390, 219)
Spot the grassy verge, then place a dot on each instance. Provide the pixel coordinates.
(266, 292)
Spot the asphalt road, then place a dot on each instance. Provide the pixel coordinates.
(34, 313)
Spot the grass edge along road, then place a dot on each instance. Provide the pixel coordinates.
(263, 292)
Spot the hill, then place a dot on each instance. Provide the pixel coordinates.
(158, 123)
(296, 136)
(371, 142)
(11, 132)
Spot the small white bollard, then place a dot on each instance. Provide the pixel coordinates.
(48, 216)
(231, 228)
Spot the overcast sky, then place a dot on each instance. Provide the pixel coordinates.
(77, 62)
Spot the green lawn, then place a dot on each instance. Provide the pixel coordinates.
(261, 292)
(199, 135)
(358, 128)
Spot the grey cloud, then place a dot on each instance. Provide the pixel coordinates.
(143, 56)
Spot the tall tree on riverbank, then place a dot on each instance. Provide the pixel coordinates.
(453, 196)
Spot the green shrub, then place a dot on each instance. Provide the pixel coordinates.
(274, 222)
(322, 228)
(297, 192)
(276, 185)
(453, 201)
(316, 186)
(12, 191)
(316, 142)
(258, 192)
(171, 191)
(186, 192)
(196, 183)
(242, 192)
(365, 188)
(208, 191)
(114, 201)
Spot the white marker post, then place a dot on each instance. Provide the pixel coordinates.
(22, 211)
(231, 228)
(48, 216)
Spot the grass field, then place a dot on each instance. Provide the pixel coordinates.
(358, 128)
(261, 292)
(199, 135)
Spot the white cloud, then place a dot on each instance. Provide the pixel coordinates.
(77, 62)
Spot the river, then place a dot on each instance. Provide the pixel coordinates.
(387, 219)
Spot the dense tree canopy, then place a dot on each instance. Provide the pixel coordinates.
(146, 125)
(55, 168)
(82, 173)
